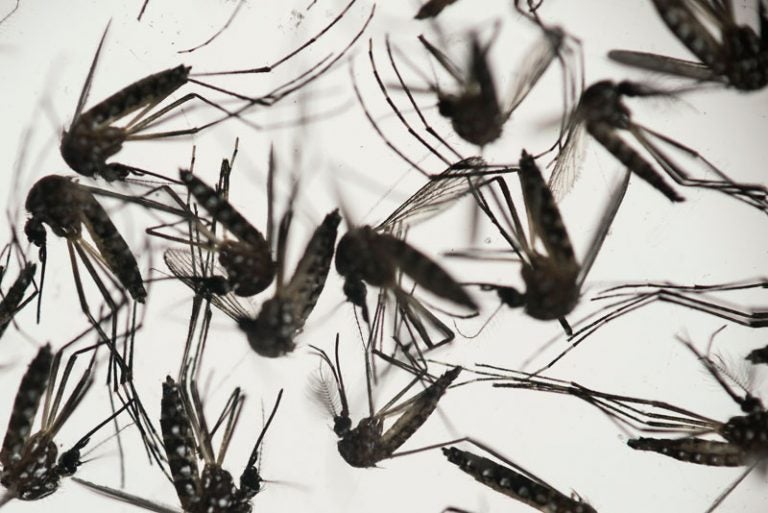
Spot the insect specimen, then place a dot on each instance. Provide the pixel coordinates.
(476, 112)
(271, 332)
(247, 260)
(514, 481)
(65, 206)
(603, 114)
(30, 468)
(92, 137)
(368, 443)
(758, 356)
(745, 436)
(186, 434)
(553, 280)
(733, 55)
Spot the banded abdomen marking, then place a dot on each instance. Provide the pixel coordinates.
(180, 446)
(683, 23)
(693, 450)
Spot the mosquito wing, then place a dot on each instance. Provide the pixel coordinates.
(187, 269)
(438, 194)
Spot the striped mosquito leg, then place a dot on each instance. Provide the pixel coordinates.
(694, 450)
(179, 442)
(418, 412)
(31, 390)
(513, 484)
(606, 136)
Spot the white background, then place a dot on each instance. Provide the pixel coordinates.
(46, 49)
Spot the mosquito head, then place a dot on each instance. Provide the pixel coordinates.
(510, 296)
(751, 404)
(35, 232)
(601, 103)
(342, 425)
(250, 482)
(69, 460)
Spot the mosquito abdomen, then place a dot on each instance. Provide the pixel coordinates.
(605, 135)
(179, 443)
(693, 450)
(683, 23)
(25, 406)
(15, 294)
(514, 484)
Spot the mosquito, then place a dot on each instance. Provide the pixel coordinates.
(93, 138)
(631, 297)
(368, 443)
(514, 481)
(30, 468)
(186, 434)
(553, 281)
(271, 331)
(476, 113)
(602, 113)
(745, 437)
(731, 54)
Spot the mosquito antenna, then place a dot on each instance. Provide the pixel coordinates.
(255, 452)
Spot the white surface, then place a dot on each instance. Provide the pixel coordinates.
(46, 48)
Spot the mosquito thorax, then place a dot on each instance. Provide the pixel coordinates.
(85, 150)
(747, 66)
(360, 446)
(749, 432)
(550, 291)
(271, 333)
(56, 201)
(250, 268)
(601, 103)
(473, 118)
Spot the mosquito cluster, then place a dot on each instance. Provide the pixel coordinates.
(391, 216)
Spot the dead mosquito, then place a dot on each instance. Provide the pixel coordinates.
(92, 137)
(731, 54)
(378, 255)
(187, 438)
(603, 114)
(514, 481)
(368, 443)
(553, 281)
(30, 468)
(745, 436)
(271, 332)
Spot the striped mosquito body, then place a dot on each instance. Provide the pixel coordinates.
(248, 260)
(210, 489)
(368, 443)
(272, 332)
(603, 114)
(31, 465)
(734, 54)
(376, 255)
(744, 438)
(93, 136)
(553, 280)
(476, 111)
(65, 207)
(516, 483)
